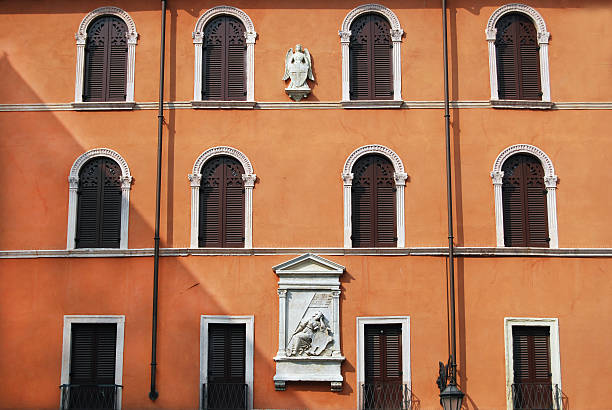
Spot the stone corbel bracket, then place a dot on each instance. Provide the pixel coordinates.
(307, 284)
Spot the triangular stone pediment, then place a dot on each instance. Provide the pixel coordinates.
(309, 263)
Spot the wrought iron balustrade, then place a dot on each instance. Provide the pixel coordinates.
(224, 396)
(537, 396)
(385, 396)
(94, 396)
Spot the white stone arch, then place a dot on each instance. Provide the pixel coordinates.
(543, 37)
(396, 36)
(198, 40)
(550, 180)
(195, 178)
(400, 182)
(73, 186)
(81, 40)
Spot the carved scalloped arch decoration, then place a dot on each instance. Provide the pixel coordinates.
(370, 8)
(100, 152)
(537, 18)
(220, 10)
(104, 11)
(549, 169)
(215, 151)
(373, 149)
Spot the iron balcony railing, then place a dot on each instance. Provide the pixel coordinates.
(96, 396)
(385, 396)
(537, 396)
(224, 396)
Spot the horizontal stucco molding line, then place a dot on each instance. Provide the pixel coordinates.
(417, 251)
(279, 105)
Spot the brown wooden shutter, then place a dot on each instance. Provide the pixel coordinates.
(524, 202)
(370, 58)
(518, 59)
(92, 357)
(99, 204)
(222, 204)
(383, 353)
(531, 358)
(224, 60)
(226, 353)
(373, 203)
(106, 60)
(383, 366)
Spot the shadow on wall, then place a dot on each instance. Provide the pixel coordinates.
(69, 6)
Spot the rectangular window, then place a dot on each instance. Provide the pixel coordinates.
(227, 362)
(383, 362)
(532, 364)
(92, 362)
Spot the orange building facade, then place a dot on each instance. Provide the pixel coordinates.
(298, 159)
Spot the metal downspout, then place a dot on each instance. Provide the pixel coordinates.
(153, 394)
(449, 198)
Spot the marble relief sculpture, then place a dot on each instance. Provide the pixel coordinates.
(309, 322)
(311, 337)
(298, 68)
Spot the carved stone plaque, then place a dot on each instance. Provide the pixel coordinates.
(309, 326)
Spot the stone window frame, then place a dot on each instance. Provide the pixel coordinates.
(555, 354)
(360, 360)
(67, 344)
(550, 181)
(396, 37)
(195, 179)
(249, 322)
(400, 183)
(198, 41)
(81, 40)
(543, 38)
(73, 186)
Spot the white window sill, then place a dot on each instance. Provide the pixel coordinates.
(372, 104)
(522, 104)
(223, 104)
(103, 105)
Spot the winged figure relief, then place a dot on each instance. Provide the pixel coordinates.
(298, 68)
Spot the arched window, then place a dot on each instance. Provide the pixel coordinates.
(222, 199)
(371, 63)
(525, 185)
(371, 60)
(518, 61)
(374, 181)
(221, 204)
(373, 203)
(98, 202)
(106, 42)
(224, 54)
(106, 60)
(99, 205)
(224, 39)
(518, 55)
(524, 202)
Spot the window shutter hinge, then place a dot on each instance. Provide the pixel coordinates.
(547, 239)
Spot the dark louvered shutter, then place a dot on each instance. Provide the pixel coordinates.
(518, 59)
(106, 60)
(524, 202)
(222, 204)
(99, 204)
(383, 366)
(226, 366)
(373, 203)
(92, 357)
(531, 357)
(224, 60)
(370, 56)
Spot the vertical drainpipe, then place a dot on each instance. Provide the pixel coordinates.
(449, 199)
(153, 394)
